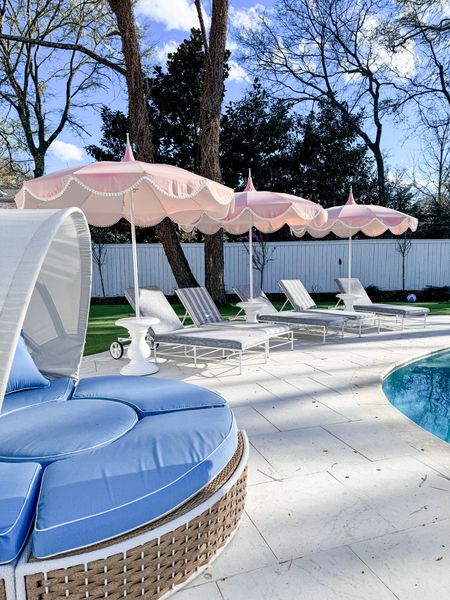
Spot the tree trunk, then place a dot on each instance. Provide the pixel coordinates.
(214, 267)
(210, 111)
(39, 164)
(142, 131)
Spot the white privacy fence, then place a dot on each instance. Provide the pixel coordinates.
(316, 263)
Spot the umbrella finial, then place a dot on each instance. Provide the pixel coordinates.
(128, 155)
(249, 187)
(351, 199)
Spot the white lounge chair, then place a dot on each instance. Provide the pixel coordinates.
(205, 314)
(363, 303)
(309, 322)
(213, 344)
(299, 298)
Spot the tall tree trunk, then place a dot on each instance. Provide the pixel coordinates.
(142, 131)
(39, 164)
(210, 111)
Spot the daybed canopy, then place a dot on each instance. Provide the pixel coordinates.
(45, 288)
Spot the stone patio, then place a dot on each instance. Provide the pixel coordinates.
(347, 499)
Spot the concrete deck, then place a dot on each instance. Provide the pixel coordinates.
(347, 499)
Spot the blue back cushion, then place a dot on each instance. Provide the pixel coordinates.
(24, 373)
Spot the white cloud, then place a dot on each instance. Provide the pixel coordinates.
(173, 14)
(247, 18)
(66, 152)
(232, 45)
(161, 52)
(237, 73)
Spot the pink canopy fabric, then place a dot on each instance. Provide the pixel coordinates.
(267, 211)
(351, 218)
(373, 220)
(142, 193)
(103, 191)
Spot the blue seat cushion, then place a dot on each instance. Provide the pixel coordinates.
(54, 430)
(59, 389)
(148, 395)
(165, 460)
(24, 374)
(19, 487)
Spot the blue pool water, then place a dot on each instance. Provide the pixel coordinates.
(421, 391)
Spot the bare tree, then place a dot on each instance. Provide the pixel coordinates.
(15, 165)
(431, 178)
(30, 75)
(210, 111)
(33, 34)
(403, 247)
(99, 252)
(263, 254)
(328, 51)
(424, 26)
(141, 129)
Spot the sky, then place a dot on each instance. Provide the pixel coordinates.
(167, 23)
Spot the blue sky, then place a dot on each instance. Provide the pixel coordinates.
(167, 23)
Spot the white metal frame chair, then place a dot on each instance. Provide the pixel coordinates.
(383, 310)
(309, 323)
(205, 314)
(299, 298)
(217, 343)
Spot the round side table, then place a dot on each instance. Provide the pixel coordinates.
(252, 308)
(138, 352)
(348, 300)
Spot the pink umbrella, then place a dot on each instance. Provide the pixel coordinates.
(142, 193)
(267, 211)
(371, 219)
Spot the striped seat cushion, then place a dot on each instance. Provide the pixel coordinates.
(297, 294)
(199, 304)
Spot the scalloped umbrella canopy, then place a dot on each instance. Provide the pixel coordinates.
(103, 191)
(351, 218)
(371, 219)
(140, 192)
(267, 211)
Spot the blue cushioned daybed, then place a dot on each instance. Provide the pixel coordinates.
(129, 486)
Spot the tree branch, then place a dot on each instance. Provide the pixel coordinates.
(63, 46)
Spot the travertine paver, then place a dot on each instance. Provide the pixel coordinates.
(347, 498)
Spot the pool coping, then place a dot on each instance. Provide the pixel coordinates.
(367, 391)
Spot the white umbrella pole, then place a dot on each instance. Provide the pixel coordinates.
(250, 260)
(135, 258)
(349, 263)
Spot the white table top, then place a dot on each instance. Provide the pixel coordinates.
(249, 304)
(144, 321)
(348, 296)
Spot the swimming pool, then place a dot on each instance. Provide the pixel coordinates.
(421, 391)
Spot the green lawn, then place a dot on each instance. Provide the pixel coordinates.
(102, 329)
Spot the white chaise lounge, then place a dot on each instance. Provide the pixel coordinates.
(299, 298)
(309, 322)
(212, 344)
(364, 303)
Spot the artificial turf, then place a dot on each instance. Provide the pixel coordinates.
(102, 317)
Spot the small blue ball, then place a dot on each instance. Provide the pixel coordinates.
(411, 298)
